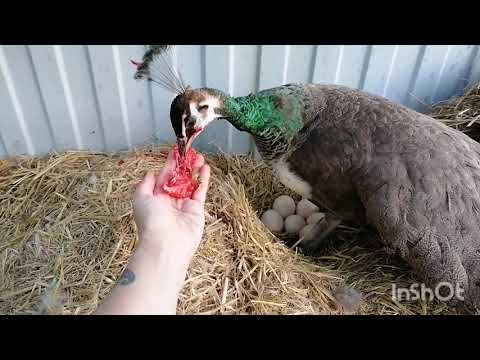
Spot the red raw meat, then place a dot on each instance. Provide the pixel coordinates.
(182, 185)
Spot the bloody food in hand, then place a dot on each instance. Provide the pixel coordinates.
(182, 183)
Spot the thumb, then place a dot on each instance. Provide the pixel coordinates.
(146, 186)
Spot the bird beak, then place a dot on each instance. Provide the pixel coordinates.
(185, 143)
(182, 146)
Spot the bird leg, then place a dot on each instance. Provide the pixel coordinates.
(322, 230)
(319, 232)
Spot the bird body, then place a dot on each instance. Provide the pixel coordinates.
(375, 162)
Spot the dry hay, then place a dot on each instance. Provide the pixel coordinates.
(67, 232)
(461, 113)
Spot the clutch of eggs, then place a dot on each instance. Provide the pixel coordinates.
(287, 216)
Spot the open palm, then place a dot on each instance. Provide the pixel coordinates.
(170, 224)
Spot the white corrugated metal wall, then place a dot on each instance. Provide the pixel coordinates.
(84, 97)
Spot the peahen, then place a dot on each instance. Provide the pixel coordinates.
(364, 158)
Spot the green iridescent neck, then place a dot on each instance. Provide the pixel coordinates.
(258, 115)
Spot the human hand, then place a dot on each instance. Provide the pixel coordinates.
(168, 226)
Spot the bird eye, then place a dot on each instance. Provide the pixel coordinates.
(203, 108)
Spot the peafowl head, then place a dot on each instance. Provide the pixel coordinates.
(267, 116)
(191, 112)
(192, 109)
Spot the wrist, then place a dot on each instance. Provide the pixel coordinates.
(167, 250)
(164, 263)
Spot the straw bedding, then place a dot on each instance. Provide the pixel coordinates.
(67, 232)
(461, 113)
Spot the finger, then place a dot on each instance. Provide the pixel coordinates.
(199, 162)
(166, 172)
(146, 186)
(201, 193)
(197, 165)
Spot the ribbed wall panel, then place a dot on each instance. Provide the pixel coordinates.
(84, 97)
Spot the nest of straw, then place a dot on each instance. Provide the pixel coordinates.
(461, 113)
(67, 232)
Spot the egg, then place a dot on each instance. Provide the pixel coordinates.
(315, 218)
(294, 223)
(306, 208)
(284, 205)
(272, 220)
(308, 232)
